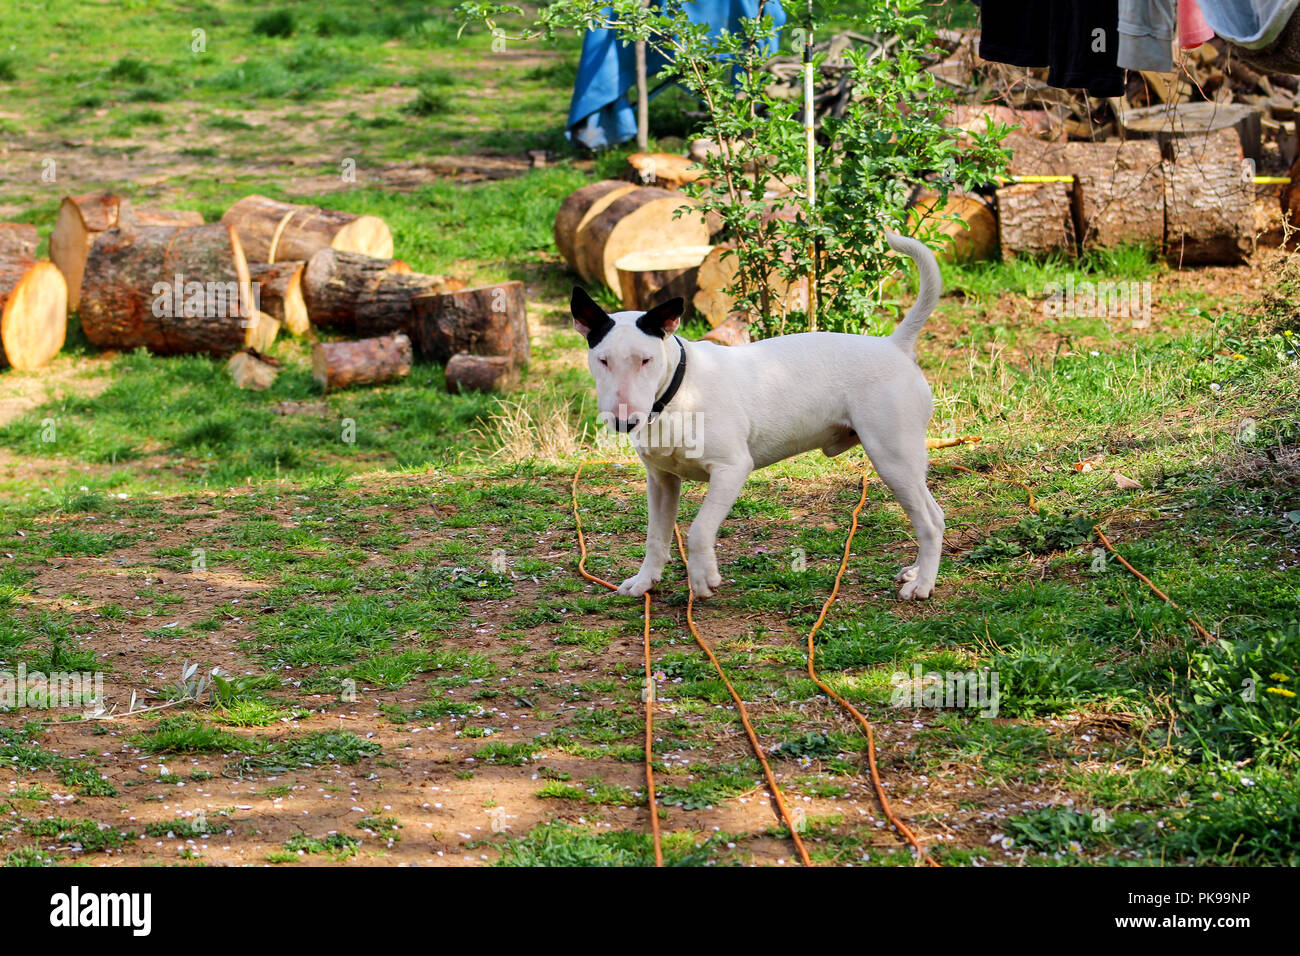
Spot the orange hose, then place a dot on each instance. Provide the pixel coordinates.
(1033, 506)
(777, 796)
(647, 688)
(921, 854)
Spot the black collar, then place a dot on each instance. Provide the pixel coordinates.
(673, 385)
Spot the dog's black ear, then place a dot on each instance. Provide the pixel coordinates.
(663, 319)
(589, 319)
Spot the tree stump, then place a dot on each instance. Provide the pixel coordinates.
(578, 209)
(363, 362)
(171, 290)
(647, 279)
(480, 373)
(33, 311)
(82, 218)
(1036, 219)
(278, 288)
(365, 296)
(1118, 192)
(640, 221)
(718, 272)
(486, 320)
(274, 231)
(18, 240)
(1209, 202)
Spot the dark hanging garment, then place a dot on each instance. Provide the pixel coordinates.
(1077, 40)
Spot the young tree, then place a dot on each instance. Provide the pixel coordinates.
(890, 138)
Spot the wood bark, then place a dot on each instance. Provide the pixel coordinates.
(82, 218)
(647, 279)
(1118, 192)
(370, 361)
(362, 295)
(278, 288)
(1036, 219)
(33, 312)
(169, 289)
(486, 320)
(480, 373)
(578, 209)
(18, 240)
(640, 221)
(1209, 202)
(274, 231)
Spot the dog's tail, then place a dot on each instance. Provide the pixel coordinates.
(927, 297)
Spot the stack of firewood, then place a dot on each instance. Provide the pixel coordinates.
(166, 281)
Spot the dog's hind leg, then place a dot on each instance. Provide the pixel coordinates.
(663, 492)
(901, 460)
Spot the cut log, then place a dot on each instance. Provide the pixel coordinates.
(734, 331)
(1035, 219)
(33, 311)
(717, 273)
(82, 218)
(480, 373)
(486, 320)
(18, 240)
(640, 221)
(252, 370)
(171, 290)
(363, 362)
(647, 279)
(274, 231)
(278, 290)
(362, 295)
(577, 210)
(1190, 123)
(666, 170)
(263, 332)
(1209, 202)
(1118, 192)
(971, 236)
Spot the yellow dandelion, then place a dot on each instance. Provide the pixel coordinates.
(1280, 677)
(1281, 691)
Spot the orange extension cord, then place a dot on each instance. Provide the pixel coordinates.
(922, 855)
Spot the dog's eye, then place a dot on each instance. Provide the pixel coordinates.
(645, 361)
(605, 362)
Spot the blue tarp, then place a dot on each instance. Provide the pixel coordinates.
(600, 113)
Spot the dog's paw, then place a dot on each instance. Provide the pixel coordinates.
(915, 589)
(637, 585)
(905, 575)
(705, 585)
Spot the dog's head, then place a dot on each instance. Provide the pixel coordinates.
(628, 355)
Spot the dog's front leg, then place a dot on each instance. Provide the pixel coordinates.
(663, 492)
(725, 483)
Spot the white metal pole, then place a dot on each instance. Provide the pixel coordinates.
(810, 139)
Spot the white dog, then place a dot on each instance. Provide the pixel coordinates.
(753, 405)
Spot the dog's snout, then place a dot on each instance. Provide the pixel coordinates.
(627, 424)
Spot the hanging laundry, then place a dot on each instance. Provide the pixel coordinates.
(1077, 40)
(1253, 24)
(1146, 34)
(1192, 28)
